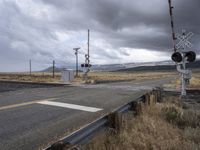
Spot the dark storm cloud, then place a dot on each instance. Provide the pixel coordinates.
(28, 29)
(23, 37)
(110, 17)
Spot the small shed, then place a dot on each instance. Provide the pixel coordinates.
(67, 75)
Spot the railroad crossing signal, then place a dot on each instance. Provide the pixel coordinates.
(87, 62)
(188, 56)
(184, 40)
(181, 57)
(86, 65)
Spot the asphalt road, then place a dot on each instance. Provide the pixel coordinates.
(33, 118)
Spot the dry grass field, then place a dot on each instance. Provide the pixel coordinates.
(100, 77)
(127, 76)
(194, 82)
(94, 77)
(35, 77)
(164, 126)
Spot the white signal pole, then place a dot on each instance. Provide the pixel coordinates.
(87, 58)
(76, 53)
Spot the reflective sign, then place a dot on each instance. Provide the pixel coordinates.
(184, 40)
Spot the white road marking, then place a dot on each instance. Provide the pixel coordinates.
(25, 103)
(71, 106)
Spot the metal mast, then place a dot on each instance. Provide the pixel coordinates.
(172, 24)
(76, 53)
(88, 47)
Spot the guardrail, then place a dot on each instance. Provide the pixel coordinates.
(112, 120)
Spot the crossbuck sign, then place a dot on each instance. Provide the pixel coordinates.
(184, 40)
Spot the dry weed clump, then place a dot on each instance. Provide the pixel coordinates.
(172, 113)
(195, 82)
(193, 134)
(190, 119)
(157, 127)
(182, 118)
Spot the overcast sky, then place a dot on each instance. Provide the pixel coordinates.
(121, 31)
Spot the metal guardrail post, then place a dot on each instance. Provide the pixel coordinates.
(147, 98)
(115, 121)
(158, 91)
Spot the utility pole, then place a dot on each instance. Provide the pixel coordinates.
(88, 47)
(172, 24)
(30, 71)
(53, 68)
(76, 53)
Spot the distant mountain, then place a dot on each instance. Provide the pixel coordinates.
(147, 66)
(57, 69)
(194, 65)
(114, 67)
(50, 69)
(110, 67)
